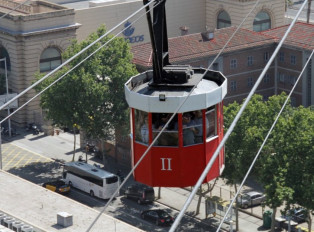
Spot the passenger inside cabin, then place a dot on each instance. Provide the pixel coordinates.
(198, 119)
(169, 137)
(144, 131)
(189, 129)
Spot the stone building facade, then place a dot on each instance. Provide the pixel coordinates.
(32, 39)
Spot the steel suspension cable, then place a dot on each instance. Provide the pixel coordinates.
(129, 174)
(72, 58)
(225, 138)
(265, 140)
(70, 70)
(158, 135)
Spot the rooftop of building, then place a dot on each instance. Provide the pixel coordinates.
(188, 47)
(18, 8)
(301, 35)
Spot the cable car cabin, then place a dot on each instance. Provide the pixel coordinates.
(179, 156)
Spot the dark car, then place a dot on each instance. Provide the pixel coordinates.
(157, 216)
(250, 199)
(58, 186)
(140, 193)
(298, 215)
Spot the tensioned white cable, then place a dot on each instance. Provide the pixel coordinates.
(72, 58)
(126, 178)
(156, 138)
(265, 140)
(158, 135)
(74, 67)
(18, 6)
(221, 144)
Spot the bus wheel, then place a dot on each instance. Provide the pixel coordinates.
(91, 193)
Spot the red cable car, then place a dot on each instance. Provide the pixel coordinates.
(180, 154)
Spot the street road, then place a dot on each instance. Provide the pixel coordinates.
(36, 158)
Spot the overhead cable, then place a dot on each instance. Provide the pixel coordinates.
(70, 70)
(225, 138)
(72, 58)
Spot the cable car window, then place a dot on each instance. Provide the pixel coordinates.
(192, 126)
(169, 137)
(211, 122)
(141, 126)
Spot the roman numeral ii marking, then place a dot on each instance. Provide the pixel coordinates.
(164, 164)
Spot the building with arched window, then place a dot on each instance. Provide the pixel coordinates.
(32, 39)
(267, 14)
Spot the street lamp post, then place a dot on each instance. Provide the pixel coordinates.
(7, 90)
(9, 122)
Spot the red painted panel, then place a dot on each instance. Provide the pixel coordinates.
(178, 166)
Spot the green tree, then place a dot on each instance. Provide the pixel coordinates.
(92, 95)
(284, 166)
(294, 146)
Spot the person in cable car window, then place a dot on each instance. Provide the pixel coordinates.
(144, 131)
(198, 119)
(189, 129)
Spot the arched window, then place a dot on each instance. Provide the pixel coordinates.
(49, 59)
(261, 21)
(223, 20)
(5, 54)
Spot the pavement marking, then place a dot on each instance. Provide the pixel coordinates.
(10, 161)
(14, 155)
(22, 158)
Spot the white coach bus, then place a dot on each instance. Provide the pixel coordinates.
(88, 178)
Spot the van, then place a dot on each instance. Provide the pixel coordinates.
(140, 193)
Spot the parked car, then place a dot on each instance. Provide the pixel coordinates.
(298, 215)
(58, 186)
(157, 216)
(140, 193)
(250, 199)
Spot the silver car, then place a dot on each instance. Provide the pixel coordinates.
(250, 199)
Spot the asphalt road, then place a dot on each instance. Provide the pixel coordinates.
(38, 158)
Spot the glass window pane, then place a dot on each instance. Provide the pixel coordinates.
(261, 21)
(223, 20)
(141, 126)
(55, 63)
(44, 66)
(50, 59)
(49, 53)
(190, 128)
(198, 126)
(211, 122)
(169, 137)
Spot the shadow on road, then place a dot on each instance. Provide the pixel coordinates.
(38, 172)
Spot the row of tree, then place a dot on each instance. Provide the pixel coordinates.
(285, 166)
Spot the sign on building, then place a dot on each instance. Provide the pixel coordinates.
(7, 97)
